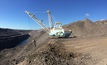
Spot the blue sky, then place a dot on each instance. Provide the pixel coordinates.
(12, 13)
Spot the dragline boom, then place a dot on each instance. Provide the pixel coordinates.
(50, 19)
(37, 21)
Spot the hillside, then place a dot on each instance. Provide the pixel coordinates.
(87, 28)
(10, 38)
(85, 49)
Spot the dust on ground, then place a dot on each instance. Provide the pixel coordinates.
(88, 48)
(53, 53)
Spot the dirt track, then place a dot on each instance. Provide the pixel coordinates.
(96, 47)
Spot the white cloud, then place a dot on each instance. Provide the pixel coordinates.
(102, 19)
(87, 14)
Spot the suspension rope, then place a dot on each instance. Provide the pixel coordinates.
(55, 19)
(39, 12)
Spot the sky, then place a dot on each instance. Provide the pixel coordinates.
(12, 12)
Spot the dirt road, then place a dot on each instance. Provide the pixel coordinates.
(96, 47)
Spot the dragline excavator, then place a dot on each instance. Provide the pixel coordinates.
(55, 30)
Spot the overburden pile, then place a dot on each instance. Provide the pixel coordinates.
(88, 28)
(54, 52)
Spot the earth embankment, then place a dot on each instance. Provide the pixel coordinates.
(10, 38)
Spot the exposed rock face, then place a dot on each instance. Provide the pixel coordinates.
(10, 42)
(11, 38)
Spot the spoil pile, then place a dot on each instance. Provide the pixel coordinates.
(88, 28)
(54, 53)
